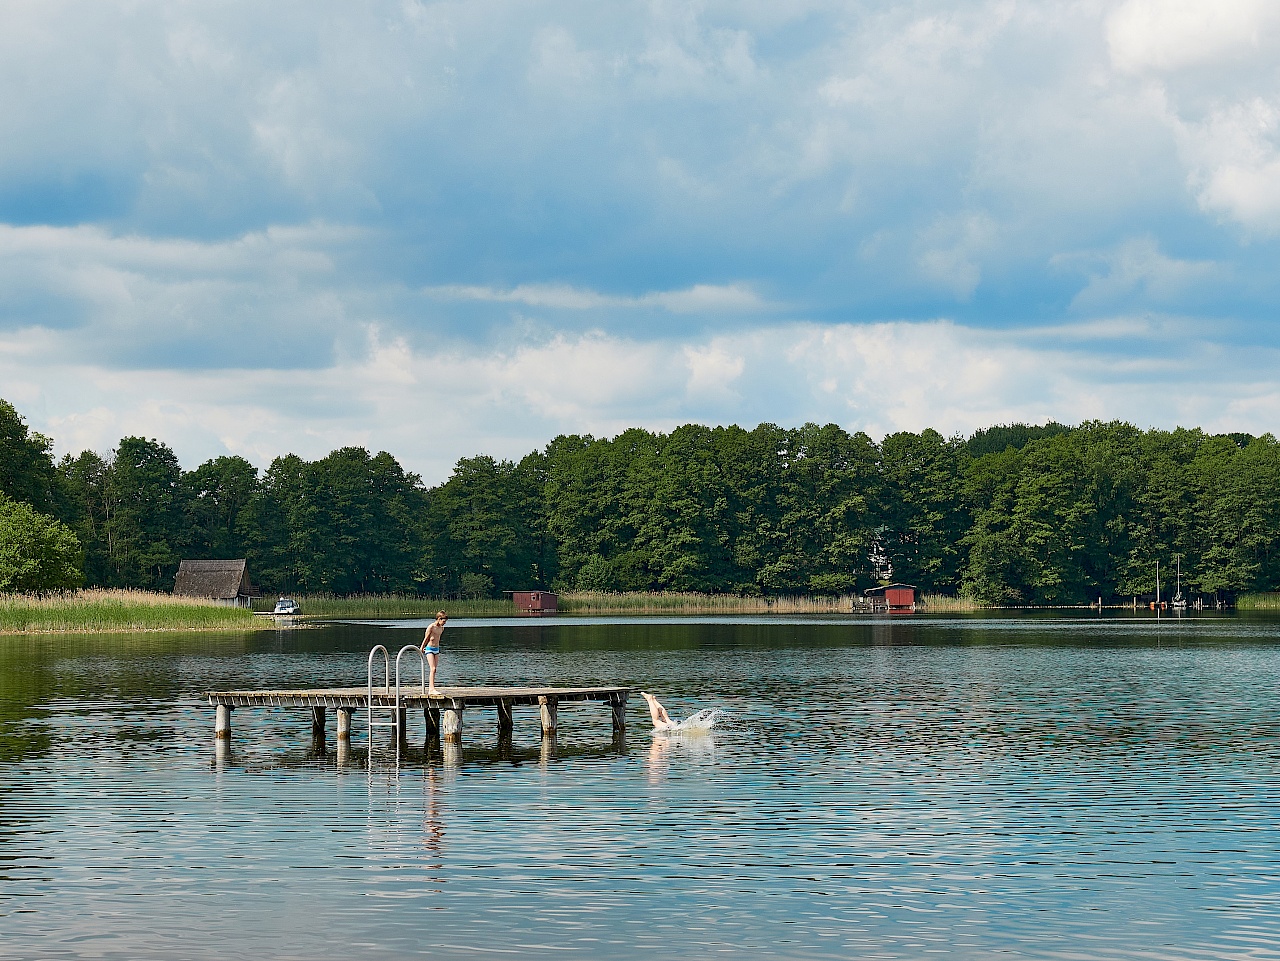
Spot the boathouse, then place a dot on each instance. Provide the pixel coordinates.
(226, 582)
(536, 602)
(892, 598)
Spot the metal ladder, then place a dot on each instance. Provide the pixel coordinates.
(395, 716)
(394, 709)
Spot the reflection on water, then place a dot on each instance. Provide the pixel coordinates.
(1065, 789)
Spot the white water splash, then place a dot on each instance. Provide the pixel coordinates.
(697, 723)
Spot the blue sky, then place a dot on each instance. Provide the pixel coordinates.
(442, 229)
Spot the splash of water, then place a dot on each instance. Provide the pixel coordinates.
(697, 723)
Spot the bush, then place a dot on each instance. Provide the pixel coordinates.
(37, 552)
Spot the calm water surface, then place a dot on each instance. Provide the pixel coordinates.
(965, 788)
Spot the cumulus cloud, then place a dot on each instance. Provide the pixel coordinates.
(1173, 34)
(432, 406)
(443, 227)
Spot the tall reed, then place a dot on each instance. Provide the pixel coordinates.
(662, 602)
(391, 605)
(1269, 601)
(946, 604)
(108, 611)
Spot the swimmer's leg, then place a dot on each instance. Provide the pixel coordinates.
(655, 709)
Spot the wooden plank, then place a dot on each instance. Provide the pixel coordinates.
(353, 697)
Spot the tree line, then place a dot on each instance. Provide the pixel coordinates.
(1013, 514)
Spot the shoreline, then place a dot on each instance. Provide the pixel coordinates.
(110, 611)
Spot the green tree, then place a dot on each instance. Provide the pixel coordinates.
(37, 552)
(485, 528)
(349, 523)
(924, 512)
(86, 480)
(215, 497)
(27, 471)
(146, 523)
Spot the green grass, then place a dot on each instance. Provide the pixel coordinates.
(113, 611)
(1259, 602)
(661, 602)
(391, 605)
(945, 604)
(582, 602)
(378, 606)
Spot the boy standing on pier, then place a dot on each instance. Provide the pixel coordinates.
(431, 648)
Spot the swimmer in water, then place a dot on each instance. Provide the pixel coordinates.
(661, 719)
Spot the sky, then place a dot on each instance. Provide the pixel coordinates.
(446, 229)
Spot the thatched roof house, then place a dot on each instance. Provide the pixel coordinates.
(224, 581)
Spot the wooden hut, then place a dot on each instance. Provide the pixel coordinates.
(536, 602)
(892, 598)
(226, 582)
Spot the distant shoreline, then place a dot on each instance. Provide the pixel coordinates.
(111, 611)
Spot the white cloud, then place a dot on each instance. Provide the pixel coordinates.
(1137, 270)
(431, 405)
(709, 298)
(1234, 159)
(951, 249)
(1174, 34)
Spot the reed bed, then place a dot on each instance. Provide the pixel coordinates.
(378, 606)
(584, 602)
(105, 611)
(946, 604)
(391, 605)
(1269, 601)
(660, 602)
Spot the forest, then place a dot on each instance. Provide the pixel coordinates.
(1014, 514)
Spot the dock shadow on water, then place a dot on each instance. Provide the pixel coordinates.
(835, 789)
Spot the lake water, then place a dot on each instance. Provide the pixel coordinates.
(1031, 788)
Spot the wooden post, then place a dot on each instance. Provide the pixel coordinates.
(317, 722)
(620, 714)
(431, 715)
(505, 721)
(344, 724)
(451, 722)
(222, 724)
(550, 709)
(403, 718)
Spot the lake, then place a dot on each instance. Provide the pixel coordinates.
(959, 787)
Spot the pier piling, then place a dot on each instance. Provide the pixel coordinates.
(550, 710)
(451, 722)
(222, 724)
(506, 723)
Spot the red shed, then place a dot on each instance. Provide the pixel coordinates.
(894, 598)
(536, 602)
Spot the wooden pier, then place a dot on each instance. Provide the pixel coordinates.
(443, 711)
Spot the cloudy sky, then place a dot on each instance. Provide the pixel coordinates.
(442, 229)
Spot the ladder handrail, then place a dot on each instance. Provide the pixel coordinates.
(422, 662)
(386, 663)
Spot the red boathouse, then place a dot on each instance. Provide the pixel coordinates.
(893, 598)
(536, 602)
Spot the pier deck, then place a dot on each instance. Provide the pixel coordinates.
(443, 711)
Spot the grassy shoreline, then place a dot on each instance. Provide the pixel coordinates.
(1269, 601)
(590, 603)
(97, 611)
